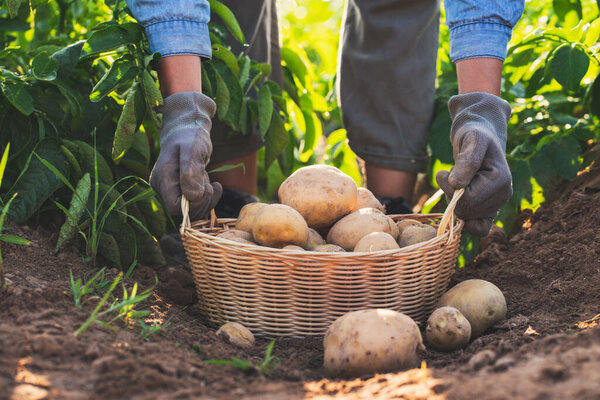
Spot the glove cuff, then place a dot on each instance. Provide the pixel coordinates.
(185, 109)
(481, 109)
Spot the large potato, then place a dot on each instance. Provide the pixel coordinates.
(376, 241)
(369, 341)
(447, 329)
(245, 220)
(405, 223)
(366, 199)
(353, 227)
(322, 194)
(314, 240)
(278, 225)
(481, 302)
(416, 234)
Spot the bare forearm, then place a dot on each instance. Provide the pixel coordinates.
(179, 73)
(482, 74)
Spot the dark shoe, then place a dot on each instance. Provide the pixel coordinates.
(232, 202)
(395, 205)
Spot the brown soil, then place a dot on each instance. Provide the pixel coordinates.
(549, 272)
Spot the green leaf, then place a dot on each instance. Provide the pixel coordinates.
(228, 19)
(563, 8)
(222, 98)
(38, 182)
(265, 109)
(311, 136)
(44, 67)
(569, 65)
(18, 95)
(206, 85)
(153, 95)
(120, 72)
(224, 54)
(521, 177)
(13, 7)
(593, 32)
(227, 168)
(244, 70)
(112, 37)
(294, 64)
(275, 140)
(68, 57)
(70, 227)
(84, 155)
(109, 249)
(3, 161)
(14, 239)
(565, 157)
(263, 68)
(127, 125)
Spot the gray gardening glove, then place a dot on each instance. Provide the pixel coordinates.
(185, 150)
(478, 137)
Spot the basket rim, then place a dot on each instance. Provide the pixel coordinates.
(240, 247)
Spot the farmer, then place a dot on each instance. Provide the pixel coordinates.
(386, 86)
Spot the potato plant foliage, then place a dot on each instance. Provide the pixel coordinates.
(69, 68)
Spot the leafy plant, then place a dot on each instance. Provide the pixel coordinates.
(265, 367)
(6, 237)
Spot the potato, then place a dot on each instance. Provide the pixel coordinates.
(322, 194)
(237, 236)
(245, 220)
(416, 234)
(447, 329)
(405, 223)
(481, 302)
(277, 225)
(376, 241)
(293, 247)
(353, 227)
(368, 341)
(366, 199)
(328, 248)
(314, 240)
(236, 334)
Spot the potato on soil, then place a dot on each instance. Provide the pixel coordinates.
(416, 234)
(376, 241)
(247, 214)
(481, 302)
(322, 194)
(277, 225)
(366, 199)
(314, 240)
(447, 329)
(328, 248)
(353, 227)
(237, 236)
(368, 341)
(405, 223)
(236, 334)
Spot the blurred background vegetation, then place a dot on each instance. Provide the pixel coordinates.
(78, 91)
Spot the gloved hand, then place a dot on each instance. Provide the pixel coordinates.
(185, 150)
(478, 137)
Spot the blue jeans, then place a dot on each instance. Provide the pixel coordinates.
(477, 28)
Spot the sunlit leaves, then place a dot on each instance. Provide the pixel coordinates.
(569, 65)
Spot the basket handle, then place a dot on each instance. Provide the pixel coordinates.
(448, 217)
(185, 211)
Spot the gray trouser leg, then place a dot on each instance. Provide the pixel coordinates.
(386, 84)
(258, 20)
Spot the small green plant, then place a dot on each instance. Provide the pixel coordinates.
(4, 237)
(265, 367)
(110, 306)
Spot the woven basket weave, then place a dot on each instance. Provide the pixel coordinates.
(277, 292)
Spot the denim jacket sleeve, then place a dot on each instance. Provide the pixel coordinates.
(481, 28)
(174, 26)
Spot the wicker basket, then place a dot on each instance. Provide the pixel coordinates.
(277, 292)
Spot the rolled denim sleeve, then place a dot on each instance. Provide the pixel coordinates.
(481, 28)
(174, 26)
